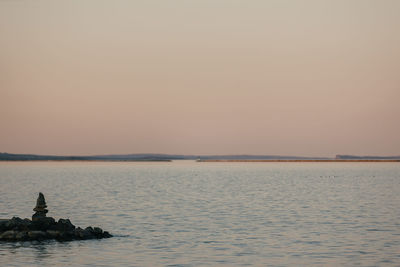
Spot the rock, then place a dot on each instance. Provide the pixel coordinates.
(87, 233)
(37, 235)
(43, 223)
(64, 225)
(77, 232)
(8, 235)
(91, 233)
(89, 229)
(106, 234)
(22, 235)
(13, 223)
(97, 231)
(26, 223)
(3, 224)
(53, 234)
(66, 236)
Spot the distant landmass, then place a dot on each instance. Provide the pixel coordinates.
(142, 157)
(33, 157)
(366, 157)
(169, 157)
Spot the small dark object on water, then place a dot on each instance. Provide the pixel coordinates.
(42, 227)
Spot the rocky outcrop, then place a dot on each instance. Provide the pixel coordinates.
(42, 227)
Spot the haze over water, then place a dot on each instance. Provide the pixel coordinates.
(186, 213)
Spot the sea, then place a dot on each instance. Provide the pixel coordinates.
(187, 213)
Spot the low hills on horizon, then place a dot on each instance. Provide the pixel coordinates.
(170, 157)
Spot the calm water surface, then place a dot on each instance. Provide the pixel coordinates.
(210, 214)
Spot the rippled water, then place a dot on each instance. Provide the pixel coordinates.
(210, 214)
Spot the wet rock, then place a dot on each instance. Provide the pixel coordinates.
(53, 234)
(89, 229)
(97, 231)
(21, 235)
(3, 224)
(37, 235)
(64, 225)
(43, 223)
(77, 232)
(106, 234)
(87, 233)
(15, 222)
(8, 235)
(25, 224)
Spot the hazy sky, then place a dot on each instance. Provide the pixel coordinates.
(313, 78)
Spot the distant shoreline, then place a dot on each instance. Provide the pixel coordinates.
(301, 160)
(212, 160)
(201, 158)
(82, 160)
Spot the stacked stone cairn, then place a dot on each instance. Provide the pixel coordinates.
(42, 227)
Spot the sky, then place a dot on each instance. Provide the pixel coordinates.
(311, 78)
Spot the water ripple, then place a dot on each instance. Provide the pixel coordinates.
(192, 214)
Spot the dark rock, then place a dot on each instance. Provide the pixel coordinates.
(37, 235)
(8, 235)
(25, 224)
(21, 235)
(77, 232)
(66, 236)
(86, 234)
(3, 224)
(89, 229)
(53, 234)
(97, 231)
(15, 222)
(106, 234)
(43, 223)
(64, 225)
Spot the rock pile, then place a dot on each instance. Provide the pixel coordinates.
(42, 227)
(40, 208)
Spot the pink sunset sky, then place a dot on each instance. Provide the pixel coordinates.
(312, 78)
